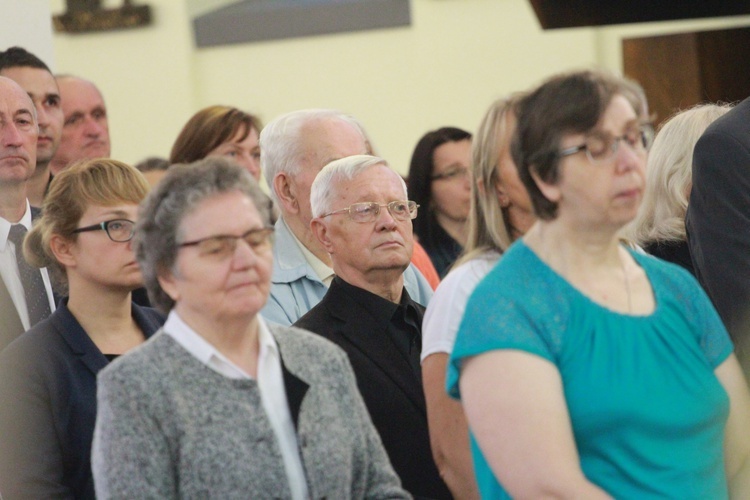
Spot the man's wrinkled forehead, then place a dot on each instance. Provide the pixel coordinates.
(79, 93)
(331, 139)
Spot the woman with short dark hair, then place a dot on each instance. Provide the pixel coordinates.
(588, 370)
(222, 404)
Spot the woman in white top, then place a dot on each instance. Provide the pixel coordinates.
(500, 212)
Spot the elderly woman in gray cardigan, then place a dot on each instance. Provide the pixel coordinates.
(220, 404)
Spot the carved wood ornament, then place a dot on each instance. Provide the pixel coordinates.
(83, 16)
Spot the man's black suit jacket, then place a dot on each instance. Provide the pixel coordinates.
(392, 392)
(718, 222)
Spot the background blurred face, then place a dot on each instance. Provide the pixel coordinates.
(220, 289)
(607, 193)
(98, 259)
(362, 248)
(245, 152)
(509, 187)
(154, 176)
(451, 194)
(18, 134)
(323, 142)
(41, 87)
(86, 130)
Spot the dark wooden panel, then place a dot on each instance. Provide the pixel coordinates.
(576, 13)
(679, 71)
(725, 64)
(667, 68)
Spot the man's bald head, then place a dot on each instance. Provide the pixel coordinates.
(18, 134)
(86, 129)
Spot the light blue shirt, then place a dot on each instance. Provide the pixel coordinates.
(296, 288)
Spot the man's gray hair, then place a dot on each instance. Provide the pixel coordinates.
(185, 186)
(321, 192)
(281, 141)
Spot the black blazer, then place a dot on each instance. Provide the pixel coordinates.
(48, 407)
(391, 391)
(718, 222)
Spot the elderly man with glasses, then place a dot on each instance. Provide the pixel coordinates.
(294, 147)
(363, 219)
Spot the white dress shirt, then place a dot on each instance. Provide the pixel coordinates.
(324, 271)
(270, 384)
(9, 270)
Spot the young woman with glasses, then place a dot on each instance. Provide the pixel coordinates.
(48, 375)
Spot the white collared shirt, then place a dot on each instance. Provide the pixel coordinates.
(270, 384)
(322, 270)
(9, 269)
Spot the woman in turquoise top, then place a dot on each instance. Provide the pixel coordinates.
(587, 370)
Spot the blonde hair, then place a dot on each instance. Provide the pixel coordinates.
(98, 181)
(489, 224)
(669, 175)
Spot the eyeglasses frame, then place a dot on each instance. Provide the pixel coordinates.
(347, 210)
(104, 226)
(647, 138)
(265, 230)
(457, 173)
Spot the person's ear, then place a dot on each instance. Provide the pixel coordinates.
(320, 230)
(550, 191)
(168, 284)
(286, 192)
(62, 249)
(502, 194)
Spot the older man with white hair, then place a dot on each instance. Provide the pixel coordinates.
(294, 148)
(363, 219)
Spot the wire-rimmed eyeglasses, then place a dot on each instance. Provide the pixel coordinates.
(601, 147)
(118, 230)
(368, 211)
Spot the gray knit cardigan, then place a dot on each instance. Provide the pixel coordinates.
(170, 427)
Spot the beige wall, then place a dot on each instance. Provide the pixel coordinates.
(27, 23)
(445, 69)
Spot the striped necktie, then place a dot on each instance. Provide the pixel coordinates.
(37, 302)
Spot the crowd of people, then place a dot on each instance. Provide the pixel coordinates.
(551, 306)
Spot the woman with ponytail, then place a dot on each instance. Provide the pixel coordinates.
(48, 375)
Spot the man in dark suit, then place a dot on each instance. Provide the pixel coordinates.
(363, 220)
(25, 292)
(718, 222)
